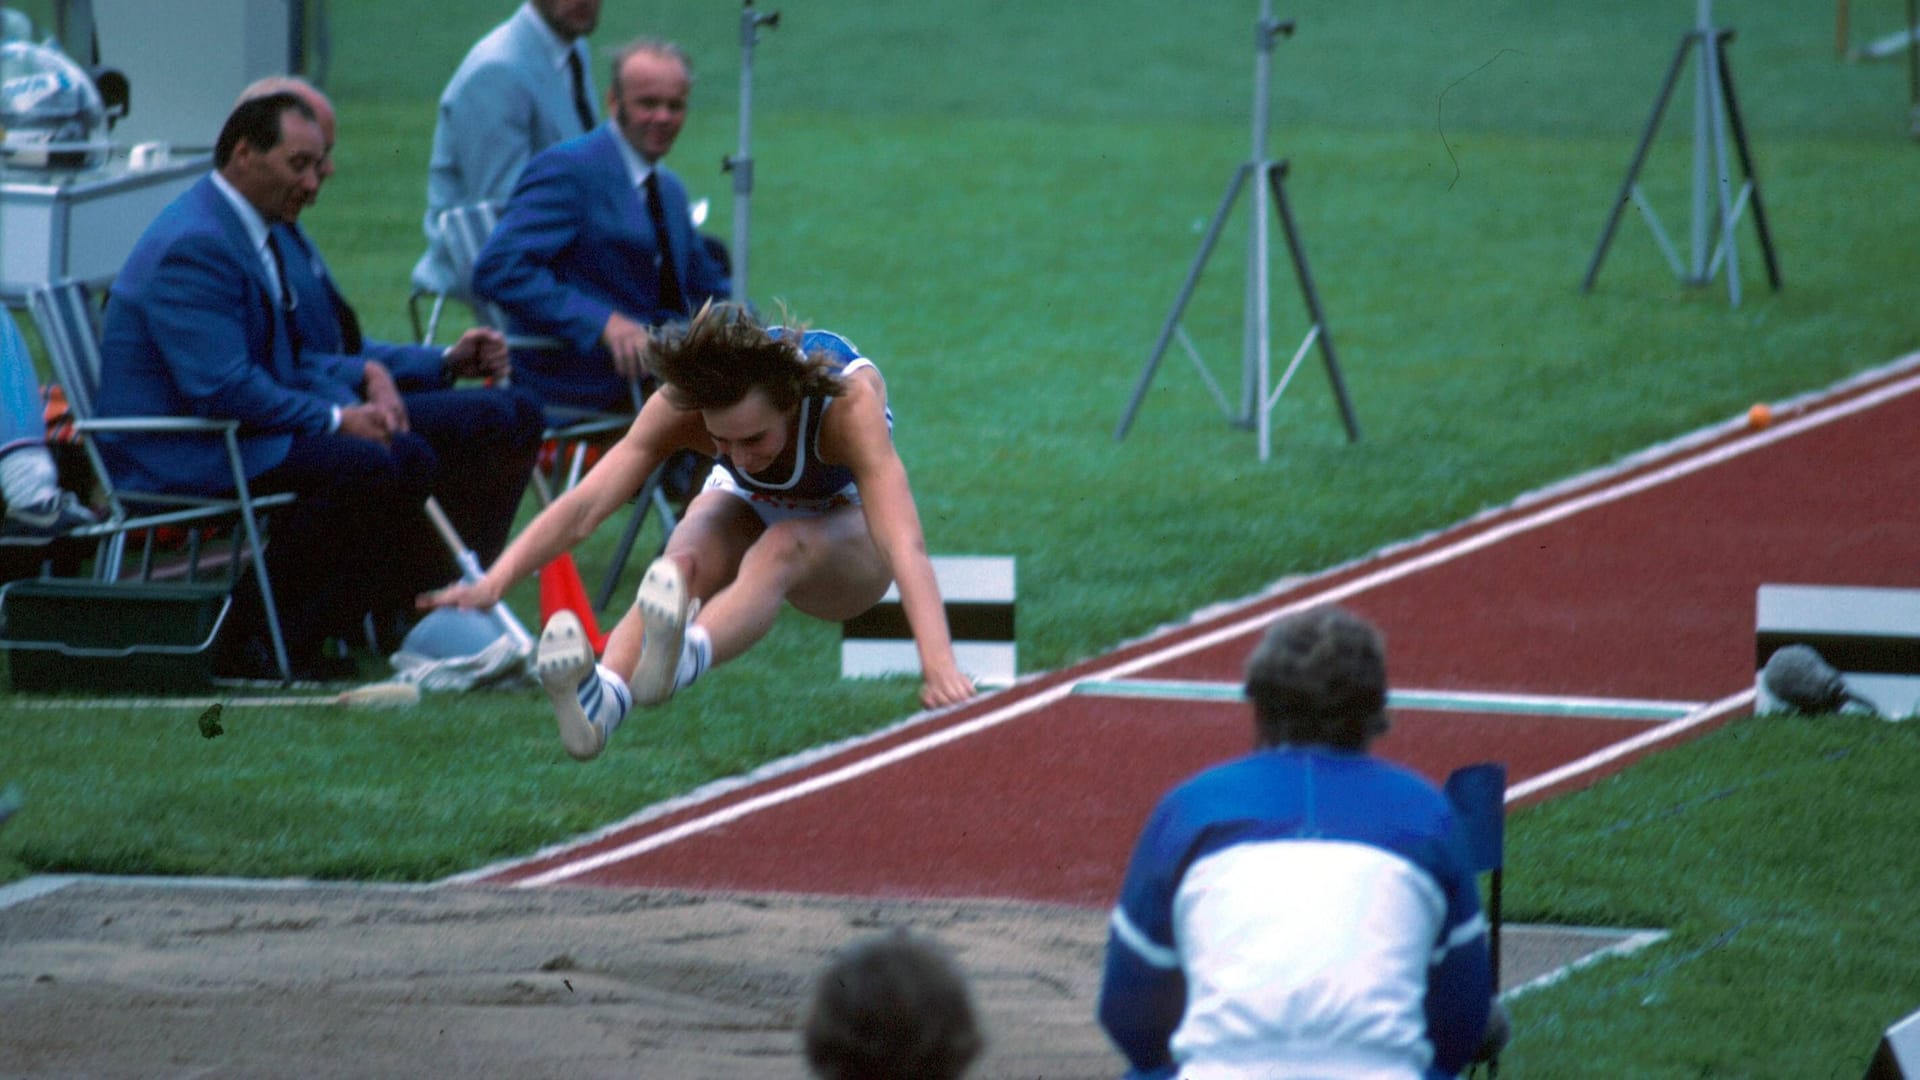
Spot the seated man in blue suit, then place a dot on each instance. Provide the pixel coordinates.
(597, 246)
(203, 320)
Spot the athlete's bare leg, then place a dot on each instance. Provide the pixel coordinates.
(707, 545)
(825, 565)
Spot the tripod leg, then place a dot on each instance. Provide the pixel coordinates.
(1494, 920)
(1746, 163)
(1639, 161)
(1913, 69)
(1180, 304)
(1275, 176)
(1714, 115)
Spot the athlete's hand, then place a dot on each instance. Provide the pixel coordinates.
(476, 595)
(940, 689)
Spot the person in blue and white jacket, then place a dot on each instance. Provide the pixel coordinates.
(1305, 910)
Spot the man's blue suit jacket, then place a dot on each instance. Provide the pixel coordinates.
(191, 329)
(574, 245)
(414, 367)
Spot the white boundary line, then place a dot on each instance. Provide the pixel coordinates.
(1631, 941)
(1411, 699)
(1548, 515)
(27, 890)
(1607, 755)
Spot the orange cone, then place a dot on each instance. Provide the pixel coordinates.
(562, 590)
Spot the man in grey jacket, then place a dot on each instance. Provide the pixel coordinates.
(526, 85)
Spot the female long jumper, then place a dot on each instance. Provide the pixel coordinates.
(808, 503)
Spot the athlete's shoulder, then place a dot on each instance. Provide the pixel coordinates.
(834, 345)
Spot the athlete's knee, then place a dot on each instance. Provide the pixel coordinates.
(703, 574)
(784, 551)
(788, 542)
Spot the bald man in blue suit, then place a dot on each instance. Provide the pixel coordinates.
(577, 254)
(491, 434)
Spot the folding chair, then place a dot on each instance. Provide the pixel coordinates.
(465, 230)
(65, 316)
(1479, 796)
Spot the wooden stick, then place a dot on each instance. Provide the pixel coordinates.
(381, 695)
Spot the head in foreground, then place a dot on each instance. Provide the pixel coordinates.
(1319, 678)
(893, 1006)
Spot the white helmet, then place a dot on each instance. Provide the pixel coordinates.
(457, 649)
(50, 111)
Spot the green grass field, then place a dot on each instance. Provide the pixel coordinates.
(998, 201)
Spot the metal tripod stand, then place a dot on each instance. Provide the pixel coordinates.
(1716, 205)
(1905, 40)
(741, 163)
(1258, 393)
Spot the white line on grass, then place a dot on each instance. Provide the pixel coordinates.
(1630, 941)
(1440, 556)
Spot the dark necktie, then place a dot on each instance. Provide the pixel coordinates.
(670, 296)
(348, 320)
(580, 104)
(351, 339)
(289, 300)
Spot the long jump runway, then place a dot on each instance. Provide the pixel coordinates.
(1565, 636)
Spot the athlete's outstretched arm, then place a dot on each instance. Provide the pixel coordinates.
(658, 431)
(855, 433)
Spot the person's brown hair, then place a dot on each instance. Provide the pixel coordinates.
(724, 353)
(1319, 677)
(892, 1007)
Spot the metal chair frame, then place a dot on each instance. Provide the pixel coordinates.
(465, 230)
(64, 314)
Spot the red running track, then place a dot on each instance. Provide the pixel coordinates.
(1635, 583)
